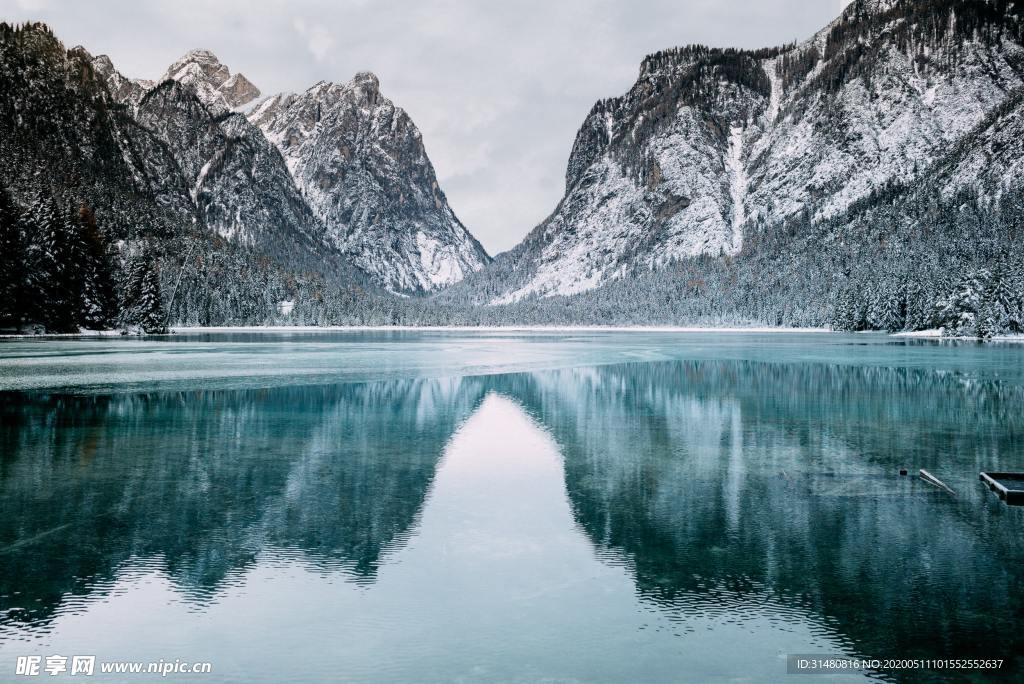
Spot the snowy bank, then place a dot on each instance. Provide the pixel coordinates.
(935, 334)
(465, 328)
(920, 333)
(81, 333)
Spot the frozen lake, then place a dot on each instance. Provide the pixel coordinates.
(508, 506)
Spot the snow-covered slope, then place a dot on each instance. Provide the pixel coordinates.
(362, 168)
(710, 145)
(889, 88)
(217, 168)
(655, 175)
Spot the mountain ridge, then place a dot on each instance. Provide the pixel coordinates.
(710, 143)
(867, 178)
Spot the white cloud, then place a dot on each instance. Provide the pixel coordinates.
(318, 39)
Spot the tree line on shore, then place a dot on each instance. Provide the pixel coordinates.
(953, 265)
(59, 273)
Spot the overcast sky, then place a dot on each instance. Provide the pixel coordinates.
(498, 89)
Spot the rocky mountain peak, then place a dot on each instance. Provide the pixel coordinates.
(101, 63)
(121, 88)
(238, 90)
(366, 80)
(365, 86)
(212, 80)
(869, 7)
(362, 168)
(198, 62)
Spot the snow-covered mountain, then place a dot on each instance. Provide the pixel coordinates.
(362, 168)
(236, 181)
(168, 180)
(711, 145)
(866, 178)
(357, 160)
(339, 164)
(148, 179)
(212, 81)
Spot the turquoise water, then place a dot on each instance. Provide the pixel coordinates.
(508, 507)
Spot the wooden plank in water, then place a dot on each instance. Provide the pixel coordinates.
(1009, 486)
(932, 480)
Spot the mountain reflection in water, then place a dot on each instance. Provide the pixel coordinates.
(611, 522)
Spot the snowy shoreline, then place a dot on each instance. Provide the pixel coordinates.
(186, 330)
(936, 334)
(199, 330)
(494, 328)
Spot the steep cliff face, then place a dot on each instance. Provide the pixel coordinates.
(711, 145)
(362, 168)
(655, 175)
(121, 88)
(62, 133)
(237, 181)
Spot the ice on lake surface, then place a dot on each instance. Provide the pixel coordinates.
(508, 506)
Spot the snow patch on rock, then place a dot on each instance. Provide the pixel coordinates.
(738, 182)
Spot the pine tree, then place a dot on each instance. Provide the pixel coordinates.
(997, 303)
(989, 322)
(886, 309)
(52, 262)
(919, 314)
(141, 302)
(150, 307)
(849, 313)
(958, 312)
(1016, 286)
(129, 290)
(97, 283)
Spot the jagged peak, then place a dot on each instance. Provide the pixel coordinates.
(199, 61)
(197, 56)
(212, 80)
(314, 89)
(862, 7)
(103, 61)
(366, 79)
(201, 54)
(364, 85)
(80, 50)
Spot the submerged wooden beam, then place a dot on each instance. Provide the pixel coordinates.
(932, 480)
